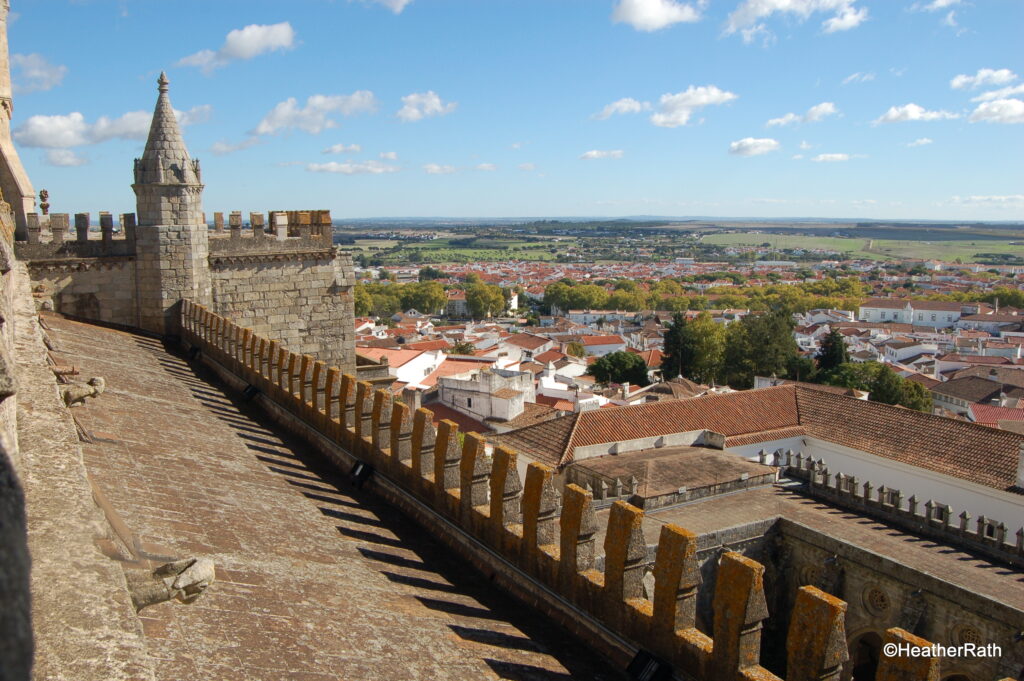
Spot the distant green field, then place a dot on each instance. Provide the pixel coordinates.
(877, 249)
(441, 250)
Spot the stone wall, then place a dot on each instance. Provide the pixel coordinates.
(301, 298)
(530, 542)
(96, 289)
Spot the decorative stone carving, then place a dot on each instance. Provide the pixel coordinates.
(183, 580)
(74, 395)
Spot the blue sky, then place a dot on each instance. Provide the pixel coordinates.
(831, 108)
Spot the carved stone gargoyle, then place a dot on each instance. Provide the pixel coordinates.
(74, 394)
(184, 580)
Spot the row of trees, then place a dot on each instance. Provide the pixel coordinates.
(429, 297)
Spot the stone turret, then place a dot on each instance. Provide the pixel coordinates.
(171, 236)
(17, 189)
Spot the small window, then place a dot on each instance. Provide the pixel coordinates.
(933, 318)
(990, 531)
(883, 315)
(920, 315)
(469, 401)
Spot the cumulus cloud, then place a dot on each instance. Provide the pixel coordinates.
(395, 6)
(805, 145)
(1001, 93)
(831, 158)
(920, 142)
(750, 146)
(858, 78)
(421, 105)
(999, 111)
(352, 168)
(64, 158)
(437, 169)
(594, 154)
(675, 110)
(527, 167)
(912, 112)
(222, 148)
(1007, 200)
(749, 18)
(243, 43)
(983, 77)
(622, 106)
(935, 5)
(342, 148)
(813, 115)
(653, 15)
(33, 73)
(389, 155)
(72, 130)
(486, 167)
(314, 117)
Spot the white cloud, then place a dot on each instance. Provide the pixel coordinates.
(831, 158)
(389, 155)
(527, 167)
(1001, 93)
(222, 148)
(72, 130)
(950, 19)
(912, 112)
(352, 168)
(858, 78)
(32, 73)
(983, 77)
(797, 157)
(788, 119)
(342, 148)
(813, 115)
(597, 153)
(999, 111)
(653, 15)
(675, 109)
(848, 18)
(936, 5)
(805, 145)
(64, 158)
(395, 6)
(243, 43)
(749, 18)
(920, 142)
(1005, 201)
(622, 106)
(486, 167)
(420, 105)
(750, 146)
(313, 118)
(436, 169)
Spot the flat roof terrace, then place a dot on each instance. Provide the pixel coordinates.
(315, 580)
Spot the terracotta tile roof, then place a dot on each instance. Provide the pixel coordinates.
(885, 303)
(396, 358)
(556, 403)
(991, 415)
(971, 388)
(936, 305)
(975, 359)
(549, 356)
(527, 341)
(467, 424)
(601, 340)
(506, 393)
(436, 344)
(453, 367)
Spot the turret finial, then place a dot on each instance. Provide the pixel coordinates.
(162, 81)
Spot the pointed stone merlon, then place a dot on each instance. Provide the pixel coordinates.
(505, 490)
(816, 645)
(540, 506)
(625, 552)
(676, 578)
(576, 535)
(904, 666)
(401, 433)
(106, 227)
(474, 474)
(381, 421)
(422, 444)
(128, 223)
(446, 459)
(34, 227)
(740, 608)
(82, 226)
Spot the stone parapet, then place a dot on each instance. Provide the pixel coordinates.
(516, 532)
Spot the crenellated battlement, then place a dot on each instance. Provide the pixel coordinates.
(930, 518)
(279, 225)
(57, 235)
(535, 542)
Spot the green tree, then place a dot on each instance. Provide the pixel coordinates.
(886, 387)
(431, 273)
(362, 300)
(915, 396)
(484, 300)
(704, 342)
(855, 375)
(620, 367)
(832, 352)
(462, 348)
(676, 350)
(427, 297)
(575, 349)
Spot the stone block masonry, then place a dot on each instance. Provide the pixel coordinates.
(545, 557)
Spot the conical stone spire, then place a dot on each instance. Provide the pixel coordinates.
(165, 159)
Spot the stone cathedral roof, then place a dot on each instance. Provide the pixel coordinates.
(165, 159)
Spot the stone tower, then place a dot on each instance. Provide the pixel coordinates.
(172, 240)
(13, 179)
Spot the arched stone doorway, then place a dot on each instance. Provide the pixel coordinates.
(865, 651)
